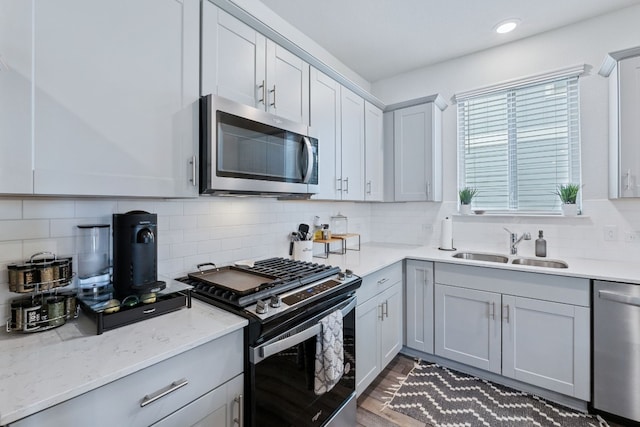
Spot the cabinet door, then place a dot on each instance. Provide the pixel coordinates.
(368, 343)
(419, 303)
(325, 125)
(391, 324)
(287, 84)
(233, 58)
(373, 152)
(546, 344)
(116, 97)
(352, 140)
(417, 153)
(16, 34)
(629, 105)
(467, 326)
(220, 407)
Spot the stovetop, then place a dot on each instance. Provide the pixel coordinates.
(277, 285)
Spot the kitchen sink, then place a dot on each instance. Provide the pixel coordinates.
(540, 262)
(475, 256)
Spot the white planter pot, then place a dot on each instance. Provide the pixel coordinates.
(569, 209)
(465, 209)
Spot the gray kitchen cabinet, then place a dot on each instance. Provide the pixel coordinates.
(530, 327)
(379, 323)
(16, 66)
(414, 130)
(241, 64)
(116, 97)
(419, 305)
(623, 70)
(187, 389)
(325, 122)
(351, 162)
(374, 153)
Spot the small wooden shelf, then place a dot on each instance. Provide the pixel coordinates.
(342, 239)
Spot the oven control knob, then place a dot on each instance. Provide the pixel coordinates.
(261, 307)
(348, 272)
(341, 276)
(275, 301)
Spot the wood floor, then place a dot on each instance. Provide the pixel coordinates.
(370, 404)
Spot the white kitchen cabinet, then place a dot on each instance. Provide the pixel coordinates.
(138, 400)
(16, 66)
(116, 97)
(623, 70)
(374, 153)
(325, 122)
(415, 130)
(241, 64)
(351, 164)
(379, 323)
(419, 305)
(534, 328)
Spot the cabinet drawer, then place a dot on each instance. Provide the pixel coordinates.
(379, 281)
(119, 403)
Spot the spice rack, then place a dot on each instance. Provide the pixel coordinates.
(340, 238)
(44, 304)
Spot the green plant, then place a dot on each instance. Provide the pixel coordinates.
(568, 193)
(466, 194)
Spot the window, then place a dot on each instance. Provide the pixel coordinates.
(518, 142)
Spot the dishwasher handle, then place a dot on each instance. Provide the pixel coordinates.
(621, 298)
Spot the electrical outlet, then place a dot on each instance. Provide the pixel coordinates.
(610, 233)
(631, 237)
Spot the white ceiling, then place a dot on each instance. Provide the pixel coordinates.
(383, 38)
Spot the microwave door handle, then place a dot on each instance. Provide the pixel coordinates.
(307, 144)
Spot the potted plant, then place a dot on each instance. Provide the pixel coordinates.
(466, 195)
(568, 194)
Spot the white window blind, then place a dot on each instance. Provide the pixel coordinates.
(517, 144)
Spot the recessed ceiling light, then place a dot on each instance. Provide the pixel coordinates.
(506, 26)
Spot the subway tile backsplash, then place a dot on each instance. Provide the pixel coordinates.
(227, 229)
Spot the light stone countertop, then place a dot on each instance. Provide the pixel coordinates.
(39, 370)
(374, 256)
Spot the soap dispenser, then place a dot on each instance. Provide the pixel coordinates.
(541, 245)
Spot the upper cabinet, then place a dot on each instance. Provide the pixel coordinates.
(373, 153)
(109, 105)
(623, 70)
(241, 64)
(414, 133)
(351, 179)
(16, 68)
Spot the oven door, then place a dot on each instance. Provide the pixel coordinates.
(283, 372)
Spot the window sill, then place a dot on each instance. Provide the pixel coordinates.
(519, 215)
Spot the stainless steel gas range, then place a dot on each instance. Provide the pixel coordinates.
(287, 304)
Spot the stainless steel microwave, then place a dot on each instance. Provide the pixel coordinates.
(244, 150)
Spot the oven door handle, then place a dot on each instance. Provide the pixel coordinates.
(258, 354)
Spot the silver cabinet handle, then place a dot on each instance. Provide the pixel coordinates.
(386, 309)
(346, 189)
(428, 190)
(339, 180)
(273, 104)
(239, 400)
(263, 93)
(492, 309)
(506, 309)
(621, 298)
(628, 177)
(307, 145)
(383, 280)
(368, 187)
(150, 398)
(194, 171)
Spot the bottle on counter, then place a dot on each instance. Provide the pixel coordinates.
(541, 245)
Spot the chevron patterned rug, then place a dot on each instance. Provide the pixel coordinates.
(442, 397)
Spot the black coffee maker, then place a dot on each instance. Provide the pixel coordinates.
(135, 254)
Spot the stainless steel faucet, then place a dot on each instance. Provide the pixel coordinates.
(514, 240)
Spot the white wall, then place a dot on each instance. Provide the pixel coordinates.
(584, 43)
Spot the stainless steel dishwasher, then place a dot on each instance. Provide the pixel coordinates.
(616, 349)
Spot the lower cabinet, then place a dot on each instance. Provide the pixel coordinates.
(200, 387)
(419, 305)
(530, 338)
(379, 323)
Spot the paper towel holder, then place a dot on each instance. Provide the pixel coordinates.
(451, 250)
(448, 236)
